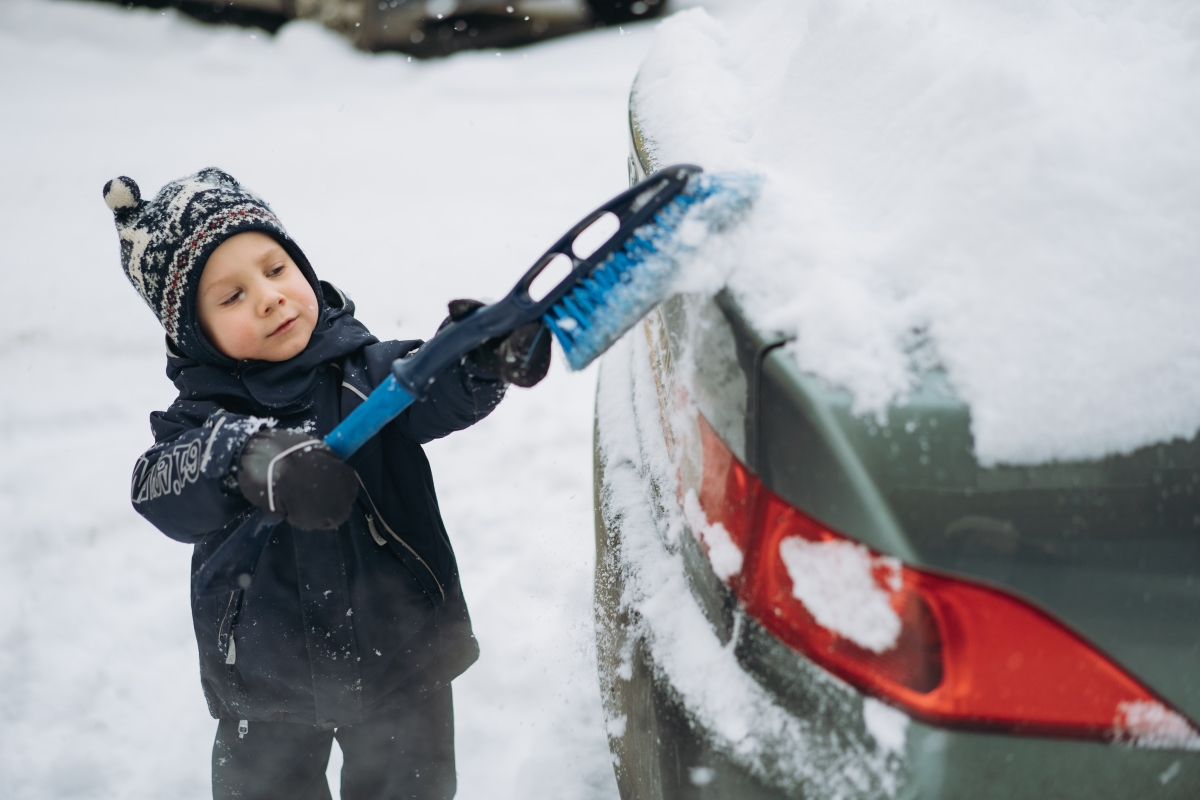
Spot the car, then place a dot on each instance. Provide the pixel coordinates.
(796, 599)
(429, 27)
(405, 24)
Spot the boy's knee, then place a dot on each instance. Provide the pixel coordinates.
(407, 753)
(269, 760)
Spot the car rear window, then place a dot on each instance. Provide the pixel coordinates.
(1139, 510)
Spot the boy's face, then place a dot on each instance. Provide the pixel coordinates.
(254, 303)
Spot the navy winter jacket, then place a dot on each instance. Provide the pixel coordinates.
(335, 626)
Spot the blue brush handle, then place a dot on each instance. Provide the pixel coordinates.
(384, 405)
(412, 376)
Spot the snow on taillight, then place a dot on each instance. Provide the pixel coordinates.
(945, 650)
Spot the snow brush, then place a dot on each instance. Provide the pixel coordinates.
(662, 223)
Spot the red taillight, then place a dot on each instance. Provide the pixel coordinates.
(947, 651)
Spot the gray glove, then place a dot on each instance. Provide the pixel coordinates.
(292, 475)
(521, 358)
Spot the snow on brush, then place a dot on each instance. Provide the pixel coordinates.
(1010, 191)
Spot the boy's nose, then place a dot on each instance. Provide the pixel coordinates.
(272, 298)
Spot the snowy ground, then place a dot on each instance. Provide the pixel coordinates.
(408, 184)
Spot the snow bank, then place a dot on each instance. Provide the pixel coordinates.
(407, 184)
(1010, 191)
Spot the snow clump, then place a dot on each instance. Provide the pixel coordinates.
(1146, 723)
(723, 552)
(888, 725)
(835, 581)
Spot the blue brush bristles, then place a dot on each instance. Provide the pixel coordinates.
(637, 277)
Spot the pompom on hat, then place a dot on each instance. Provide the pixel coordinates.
(165, 243)
(122, 193)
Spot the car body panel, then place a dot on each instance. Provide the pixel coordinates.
(662, 742)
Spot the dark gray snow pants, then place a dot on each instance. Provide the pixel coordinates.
(403, 755)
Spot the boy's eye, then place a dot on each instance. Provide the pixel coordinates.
(275, 270)
(233, 298)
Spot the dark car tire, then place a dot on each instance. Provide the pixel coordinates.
(612, 12)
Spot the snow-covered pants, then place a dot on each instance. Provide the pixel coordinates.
(402, 754)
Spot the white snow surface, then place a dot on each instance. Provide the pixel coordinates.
(407, 184)
(1150, 724)
(834, 581)
(723, 553)
(1008, 190)
(888, 725)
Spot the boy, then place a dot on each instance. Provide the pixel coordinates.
(353, 623)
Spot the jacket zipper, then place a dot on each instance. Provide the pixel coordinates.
(392, 533)
(379, 540)
(231, 648)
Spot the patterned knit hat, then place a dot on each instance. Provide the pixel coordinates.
(166, 242)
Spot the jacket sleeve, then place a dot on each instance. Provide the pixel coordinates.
(183, 484)
(460, 397)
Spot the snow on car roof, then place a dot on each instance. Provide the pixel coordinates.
(1009, 191)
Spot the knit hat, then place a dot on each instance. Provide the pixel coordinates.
(166, 242)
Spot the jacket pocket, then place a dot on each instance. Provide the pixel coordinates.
(424, 574)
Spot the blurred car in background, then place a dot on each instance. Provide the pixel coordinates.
(919, 624)
(403, 23)
(429, 27)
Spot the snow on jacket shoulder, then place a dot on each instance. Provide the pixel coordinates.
(335, 626)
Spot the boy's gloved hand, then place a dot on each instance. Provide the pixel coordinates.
(521, 358)
(293, 475)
